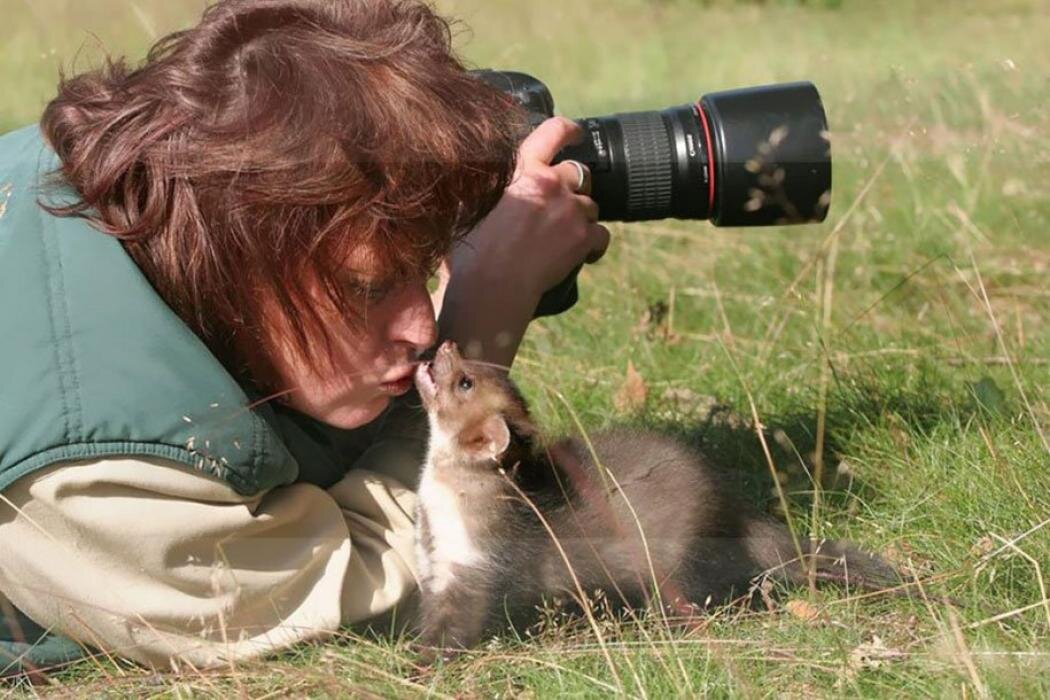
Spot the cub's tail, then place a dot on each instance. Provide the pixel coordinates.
(771, 546)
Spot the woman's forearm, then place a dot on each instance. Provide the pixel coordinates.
(486, 312)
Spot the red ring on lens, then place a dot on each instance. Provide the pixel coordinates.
(710, 159)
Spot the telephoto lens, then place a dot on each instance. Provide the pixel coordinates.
(757, 156)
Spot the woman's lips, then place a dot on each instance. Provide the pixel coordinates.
(398, 385)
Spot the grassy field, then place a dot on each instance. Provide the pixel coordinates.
(902, 348)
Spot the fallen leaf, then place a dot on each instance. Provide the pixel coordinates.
(873, 654)
(633, 391)
(803, 610)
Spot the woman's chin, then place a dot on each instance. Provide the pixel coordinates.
(357, 415)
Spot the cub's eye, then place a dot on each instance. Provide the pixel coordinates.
(465, 383)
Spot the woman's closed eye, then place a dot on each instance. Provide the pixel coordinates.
(369, 292)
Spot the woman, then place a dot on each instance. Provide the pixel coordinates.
(213, 272)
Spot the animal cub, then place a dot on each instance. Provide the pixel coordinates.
(504, 521)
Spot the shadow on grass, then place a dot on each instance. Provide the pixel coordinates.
(730, 443)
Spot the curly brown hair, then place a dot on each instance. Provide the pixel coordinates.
(251, 156)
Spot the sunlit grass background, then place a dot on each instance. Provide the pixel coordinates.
(903, 346)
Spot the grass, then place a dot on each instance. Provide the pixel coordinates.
(903, 345)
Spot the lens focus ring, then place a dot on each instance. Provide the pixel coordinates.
(647, 151)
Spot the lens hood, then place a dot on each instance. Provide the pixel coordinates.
(772, 157)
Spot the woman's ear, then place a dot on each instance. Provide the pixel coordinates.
(486, 439)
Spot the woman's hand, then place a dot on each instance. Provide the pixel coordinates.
(542, 229)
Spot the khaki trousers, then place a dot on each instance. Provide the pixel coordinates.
(165, 566)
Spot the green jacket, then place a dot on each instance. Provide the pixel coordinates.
(93, 363)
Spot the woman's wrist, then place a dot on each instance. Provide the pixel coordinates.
(486, 311)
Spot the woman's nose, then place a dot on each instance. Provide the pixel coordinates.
(413, 320)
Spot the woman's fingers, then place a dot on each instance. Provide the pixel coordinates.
(575, 175)
(589, 207)
(571, 179)
(599, 236)
(544, 142)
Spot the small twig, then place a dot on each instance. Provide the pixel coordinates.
(964, 652)
(827, 282)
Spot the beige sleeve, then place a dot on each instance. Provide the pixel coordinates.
(162, 565)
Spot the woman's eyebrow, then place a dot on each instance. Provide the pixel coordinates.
(369, 280)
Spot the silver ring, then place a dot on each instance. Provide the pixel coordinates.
(581, 175)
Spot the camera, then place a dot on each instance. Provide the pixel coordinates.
(757, 156)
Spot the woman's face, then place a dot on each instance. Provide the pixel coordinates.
(373, 363)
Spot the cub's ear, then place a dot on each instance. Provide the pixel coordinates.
(486, 439)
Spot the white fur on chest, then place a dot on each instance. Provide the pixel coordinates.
(450, 541)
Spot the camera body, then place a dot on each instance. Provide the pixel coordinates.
(756, 156)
